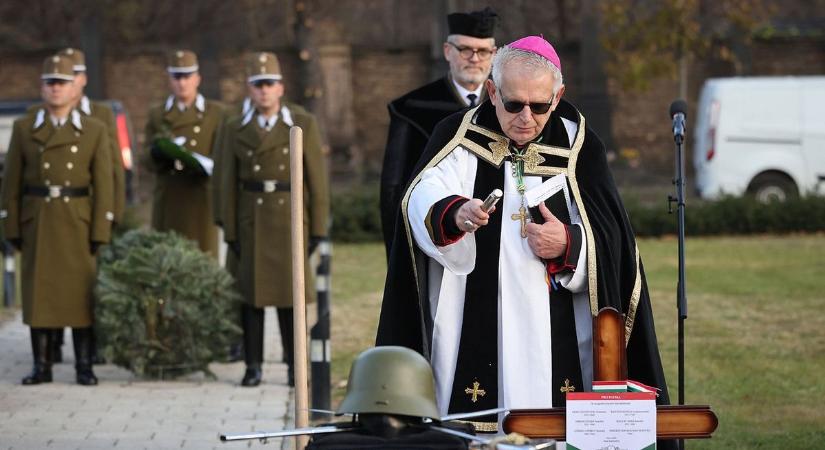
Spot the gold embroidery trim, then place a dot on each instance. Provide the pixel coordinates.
(484, 427)
(446, 150)
(591, 244)
(634, 300)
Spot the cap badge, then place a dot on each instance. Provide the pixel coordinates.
(55, 59)
(262, 58)
(179, 54)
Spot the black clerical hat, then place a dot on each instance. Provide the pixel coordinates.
(480, 24)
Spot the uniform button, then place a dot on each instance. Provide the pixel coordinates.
(280, 201)
(40, 149)
(46, 165)
(67, 183)
(48, 199)
(256, 168)
(249, 153)
(260, 201)
(77, 134)
(286, 150)
(69, 166)
(193, 142)
(74, 149)
(48, 182)
(65, 199)
(197, 129)
(281, 167)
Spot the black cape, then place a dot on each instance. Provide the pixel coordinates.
(412, 120)
(615, 272)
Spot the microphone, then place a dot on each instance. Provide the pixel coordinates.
(678, 112)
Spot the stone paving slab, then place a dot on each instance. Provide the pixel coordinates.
(124, 412)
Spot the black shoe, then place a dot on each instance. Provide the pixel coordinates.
(82, 340)
(39, 374)
(252, 376)
(86, 377)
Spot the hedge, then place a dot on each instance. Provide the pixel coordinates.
(356, 216)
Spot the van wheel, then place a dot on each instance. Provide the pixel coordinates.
(772, 186)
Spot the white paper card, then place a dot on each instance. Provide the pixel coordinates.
(615, 420)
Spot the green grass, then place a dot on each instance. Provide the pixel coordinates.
(755, 336)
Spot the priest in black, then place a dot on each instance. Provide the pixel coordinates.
(499, 302)
(413, 116)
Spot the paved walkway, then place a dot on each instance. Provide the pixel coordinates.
(123, 412)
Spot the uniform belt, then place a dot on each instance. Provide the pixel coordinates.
(56, 191)
(265, 186)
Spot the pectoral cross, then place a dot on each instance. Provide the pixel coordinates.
(567, 386)
(475, 391)
(521, 216)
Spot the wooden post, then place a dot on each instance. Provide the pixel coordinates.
(296, 195)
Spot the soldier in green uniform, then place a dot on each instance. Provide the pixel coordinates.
(103, 113)
(256, 205)
(183, 198)
(57, 209)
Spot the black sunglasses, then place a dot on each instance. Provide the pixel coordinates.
(514, 107)
(261, 83)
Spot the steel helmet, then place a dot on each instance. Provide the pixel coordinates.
(390, 380)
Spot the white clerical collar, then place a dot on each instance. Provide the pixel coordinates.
(464, 92)
(200, 103)
(85, 106)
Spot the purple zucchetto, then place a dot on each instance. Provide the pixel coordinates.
(537, 45)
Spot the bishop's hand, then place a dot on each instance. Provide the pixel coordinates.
(548, 240)
(470, 216)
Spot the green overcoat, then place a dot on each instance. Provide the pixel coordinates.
(182, 201)
(102, 112)
(58, 268)
(260, 221)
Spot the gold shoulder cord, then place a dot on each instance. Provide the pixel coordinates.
(446, 150)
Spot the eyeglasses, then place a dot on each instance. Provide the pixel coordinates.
(514, 107)
(468, 52)
(261, 83)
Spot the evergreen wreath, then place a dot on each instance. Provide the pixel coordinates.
(163, 307)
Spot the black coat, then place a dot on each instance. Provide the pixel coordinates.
(615, 271)
(412, 120)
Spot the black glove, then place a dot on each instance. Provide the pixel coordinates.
(17, 243)
(93, 246)
(313, 243)
(235, 246)
(162, 162)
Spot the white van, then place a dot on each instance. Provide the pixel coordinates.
(763, 136)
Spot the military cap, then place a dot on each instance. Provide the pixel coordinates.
(479, 24)
(58, 67)
(182, 61)
(77, 56)
(262, 66)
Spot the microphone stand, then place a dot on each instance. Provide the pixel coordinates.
(681, 298)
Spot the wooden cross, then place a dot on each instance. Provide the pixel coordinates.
(521, 216)
(610, 364)
(475, 391)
